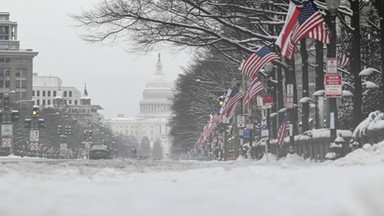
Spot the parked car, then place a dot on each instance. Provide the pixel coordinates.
(99, 152)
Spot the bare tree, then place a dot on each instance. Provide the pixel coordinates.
(226, 25)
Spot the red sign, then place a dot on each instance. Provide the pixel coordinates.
(333, 85)
(268, 100)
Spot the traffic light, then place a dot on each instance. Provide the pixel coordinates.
(15, 115)
(35, 112)
(58, 129)
(90, 134)
(221, 100)
(67, 130)
(41, 123)
(27, 123)
(6, 101)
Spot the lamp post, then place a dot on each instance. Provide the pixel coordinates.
(332, 6)
(319, 111)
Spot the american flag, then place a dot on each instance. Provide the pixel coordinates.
(309, 19)
(321, 33)
(283, 128)
(255, 87)
(343, 60)
(310, 22)
(284, 40)
(211, 124)
(232, 100)
(257, 61)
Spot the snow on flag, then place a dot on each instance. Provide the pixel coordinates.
(255, 87)
(231, 101)
(282, 130)
(284, 40)
(257, 61)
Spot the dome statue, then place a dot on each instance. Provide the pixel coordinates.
(159, 79)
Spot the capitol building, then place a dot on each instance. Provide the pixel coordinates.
(155, 111)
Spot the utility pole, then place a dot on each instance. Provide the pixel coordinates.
(34, 124)
(8, 116)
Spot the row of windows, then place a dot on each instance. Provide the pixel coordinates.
(48, 93)
(17, 95)
(158, 96)
(49, 102)
(19, 72)
(20, 84)
(74, 110)
(14, 60)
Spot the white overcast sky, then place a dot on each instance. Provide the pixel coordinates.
(115, 79)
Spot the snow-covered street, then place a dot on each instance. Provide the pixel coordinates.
(351, 186)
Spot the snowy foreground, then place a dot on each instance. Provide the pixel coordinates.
(352, 186)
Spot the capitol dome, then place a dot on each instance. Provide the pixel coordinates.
(157, 95)
(159, 80)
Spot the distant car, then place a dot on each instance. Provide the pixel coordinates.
(99, 152)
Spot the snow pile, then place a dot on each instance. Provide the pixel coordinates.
(374, 121)
(368, 155)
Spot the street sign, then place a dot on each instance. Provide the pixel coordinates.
(290, 96)
(240, 121)
(267, 101)
(6, 142)
(63, 146)
(34, 146)
(333, 85)
(259, 100)
(249, 123)
(246, 134)
(34, 136)
(6, 130)
(264, 128)
(332, 65)
(290, 90)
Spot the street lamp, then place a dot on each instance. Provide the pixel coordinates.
(332, 6)
(368, 72)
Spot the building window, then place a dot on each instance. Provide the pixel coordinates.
(43, 102)
(4, 35)
(49, 93)
(4, 83)
(70, 93)
(43, 93)
(5, 72)
(54, 93)
(33, 93)
(21, 72)
(20, 60)
(37, 93)
(22, 84)
(4, 60)
(38, 102)
(49, 102)
(69, 101)
(65, 93)
(75, 102)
